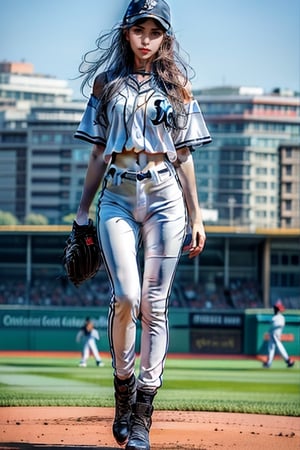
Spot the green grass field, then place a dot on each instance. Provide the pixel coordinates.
(228, 385)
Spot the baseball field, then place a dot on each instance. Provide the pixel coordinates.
(198, 393)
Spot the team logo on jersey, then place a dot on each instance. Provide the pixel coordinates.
(164, 113)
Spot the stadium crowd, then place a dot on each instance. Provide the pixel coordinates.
(59, 292)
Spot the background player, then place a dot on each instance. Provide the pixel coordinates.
(88, 336)
(275, 332)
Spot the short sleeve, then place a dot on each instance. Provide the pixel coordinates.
(90, 129)
(195, 133)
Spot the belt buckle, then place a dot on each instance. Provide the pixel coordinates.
(143, 175)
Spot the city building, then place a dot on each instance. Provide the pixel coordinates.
(19, 82)
(40, 162)
(240, 173)
(56, 161)
(289, 176)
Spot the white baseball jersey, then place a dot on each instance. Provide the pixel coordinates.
(140, 117)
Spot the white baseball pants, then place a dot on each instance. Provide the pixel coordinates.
(88, 347)
(273, 343)
(150, 214)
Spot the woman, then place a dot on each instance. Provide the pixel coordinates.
(142, 121)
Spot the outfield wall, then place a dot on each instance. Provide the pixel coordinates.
(198, 332)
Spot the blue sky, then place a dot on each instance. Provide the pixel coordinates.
(232, 42)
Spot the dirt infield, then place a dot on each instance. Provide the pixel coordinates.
(90, 428)
(72, 428)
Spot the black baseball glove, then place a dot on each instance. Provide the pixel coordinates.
(81, 256)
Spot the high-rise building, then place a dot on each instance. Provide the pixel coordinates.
(240, 173)
(41, 165)
(289, 176)
(19, 82)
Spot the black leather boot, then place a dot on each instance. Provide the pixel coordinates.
(125, 395)
(141, 421)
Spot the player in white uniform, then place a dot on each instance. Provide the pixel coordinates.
(87, 336)
(275, 332)
(143, 123)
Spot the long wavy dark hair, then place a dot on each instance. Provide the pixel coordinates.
(113, 54)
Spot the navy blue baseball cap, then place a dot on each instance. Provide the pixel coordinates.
(148, 9)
